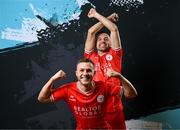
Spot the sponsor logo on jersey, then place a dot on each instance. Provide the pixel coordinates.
(87, 111)
(72, 98)
(109, 57)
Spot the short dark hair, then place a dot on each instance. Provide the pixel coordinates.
(103, 30)
(85, 60)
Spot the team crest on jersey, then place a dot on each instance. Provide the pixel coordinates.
(100, 98)
(109, 57)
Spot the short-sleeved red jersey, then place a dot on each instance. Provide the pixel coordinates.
(88, 109)
(111, 60)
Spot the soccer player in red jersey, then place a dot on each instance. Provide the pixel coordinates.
(86, 98)
(108, 55)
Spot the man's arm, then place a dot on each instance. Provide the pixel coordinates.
(45, 93)
(90, 40)
(129, 90)
(115, 37)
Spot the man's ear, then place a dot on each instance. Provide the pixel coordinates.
(76, 73)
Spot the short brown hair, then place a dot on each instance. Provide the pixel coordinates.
(104, 30)
(85, 60)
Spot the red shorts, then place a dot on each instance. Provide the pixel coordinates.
(116, 120)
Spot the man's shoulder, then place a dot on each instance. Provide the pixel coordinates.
(90, 51)
(115, 49)
(91, 54)
(69, 85)
(115, 52)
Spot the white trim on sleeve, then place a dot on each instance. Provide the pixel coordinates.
(117, 49)
(88, 51)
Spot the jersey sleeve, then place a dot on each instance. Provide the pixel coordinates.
(88, 54)
(59, 93)
(117, 52)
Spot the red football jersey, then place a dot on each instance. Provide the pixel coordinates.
(111, 60)
(88, 109)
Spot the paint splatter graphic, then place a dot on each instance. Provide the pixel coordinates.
(30, 20)
(27, 33)
(37, 18)
(127, 3)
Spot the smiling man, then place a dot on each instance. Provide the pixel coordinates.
(105, 50)
(86, 98)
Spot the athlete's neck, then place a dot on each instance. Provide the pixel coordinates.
(86, 88)
(100, 53)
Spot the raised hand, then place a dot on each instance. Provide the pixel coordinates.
(114, 17)
(92, 13)
(58, 75)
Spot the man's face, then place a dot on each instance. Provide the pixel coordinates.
(103, 42)
(85, 73)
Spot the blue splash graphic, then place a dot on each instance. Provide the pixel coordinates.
(19, 22)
